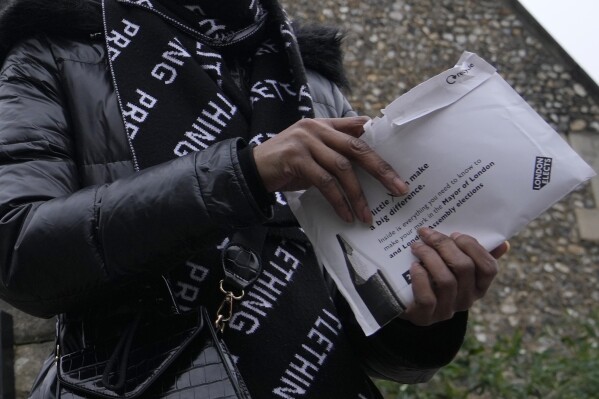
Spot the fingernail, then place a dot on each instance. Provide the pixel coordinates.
(509, 246)
(400, 186)
(425, 231)
(416, 244)
(455, 235)
(366, 215)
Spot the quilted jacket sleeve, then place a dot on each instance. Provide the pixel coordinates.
(403, 352)
(61, 243)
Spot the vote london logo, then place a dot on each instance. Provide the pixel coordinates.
(542, 173)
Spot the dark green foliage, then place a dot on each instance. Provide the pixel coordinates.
(569, 369)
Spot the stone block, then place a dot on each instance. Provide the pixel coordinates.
(587, 146)
(29, 329)
(28, 361)
(588, 223)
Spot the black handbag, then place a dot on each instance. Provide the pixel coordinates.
(157, 357)
(145, 348)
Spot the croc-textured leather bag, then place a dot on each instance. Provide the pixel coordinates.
(155, 357)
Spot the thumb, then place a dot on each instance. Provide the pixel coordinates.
(501, 250)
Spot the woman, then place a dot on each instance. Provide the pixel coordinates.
(137, 138)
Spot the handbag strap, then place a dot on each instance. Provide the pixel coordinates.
(118, 361)
(242, 265)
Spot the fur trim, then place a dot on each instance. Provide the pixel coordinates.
(19, 19)
(320, 47)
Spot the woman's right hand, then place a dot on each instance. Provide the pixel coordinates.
(320, 152)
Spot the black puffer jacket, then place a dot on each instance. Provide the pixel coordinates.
(71, 204)
(77, 223)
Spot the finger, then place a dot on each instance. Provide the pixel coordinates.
(501, 250)
(335, 165)
(298, 158)
(443, 281)
(342, 169)
(354, 126)
(327, 185)
(420, 312)
(486, 264)
(358, 151)
(460, 264)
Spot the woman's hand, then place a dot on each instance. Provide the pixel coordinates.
(454, 271)
(319, 152)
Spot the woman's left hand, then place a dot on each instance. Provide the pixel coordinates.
(454, 271)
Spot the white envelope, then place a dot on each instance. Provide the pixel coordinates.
(479, 160)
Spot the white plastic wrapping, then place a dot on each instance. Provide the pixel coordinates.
(479, 160)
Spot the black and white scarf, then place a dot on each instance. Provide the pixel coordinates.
(175, 68)
(189, 73)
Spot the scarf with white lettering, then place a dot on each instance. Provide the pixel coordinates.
(189, 73)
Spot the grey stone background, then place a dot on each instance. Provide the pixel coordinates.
(549, 279)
